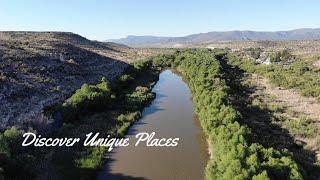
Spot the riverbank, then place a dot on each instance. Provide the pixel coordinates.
(170, 115)
(104, 108)
(131, 94)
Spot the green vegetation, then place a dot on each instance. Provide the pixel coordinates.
(254, 52)
(234, 156)
(142, 64)
(138, 98)
(163, 61)
(15, 160)
(301, 75)
(303, 127)
(278, 125)
(129, 117)
(86, 99)
(92, 159)
(281, 56)
(298, 125)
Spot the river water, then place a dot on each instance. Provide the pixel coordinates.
(170, 115)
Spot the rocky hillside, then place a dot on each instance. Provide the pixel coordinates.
(40, 69)
(154, 41)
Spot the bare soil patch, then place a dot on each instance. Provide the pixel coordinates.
(290, 98)
(317, 63)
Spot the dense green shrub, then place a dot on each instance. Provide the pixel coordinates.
(93, 158)
(279, 56)
(123, 129)
(87, 98)
(142, 65)
(254, 52)
(129, 117)
(162, 60)
(15, 161)
(125, 78)
(139, 98)
(125, 81)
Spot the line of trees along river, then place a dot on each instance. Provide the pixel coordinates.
(233, 155)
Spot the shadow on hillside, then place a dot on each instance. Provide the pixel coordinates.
(259, 121)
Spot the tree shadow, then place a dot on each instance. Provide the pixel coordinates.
(259, 120)
(105, 172)
(152, 108)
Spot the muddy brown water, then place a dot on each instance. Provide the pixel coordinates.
(170, 115)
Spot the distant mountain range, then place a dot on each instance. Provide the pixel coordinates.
(155, 41)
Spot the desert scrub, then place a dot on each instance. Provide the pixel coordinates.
(300, 74)
(303, 127)
(276, 107)
(258, 104)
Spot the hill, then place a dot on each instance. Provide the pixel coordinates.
(40, 69)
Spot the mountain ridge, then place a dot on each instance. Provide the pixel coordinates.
(216, 36)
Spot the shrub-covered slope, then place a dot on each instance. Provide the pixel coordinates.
(38, 69)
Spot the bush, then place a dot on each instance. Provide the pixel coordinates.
(87, 98)
(283, 55)
(15, 161)
(142, 65)
(125, 78)
(93, 159)
(163, 61)
(255, 52)
(123, 129)
(139, 98)
(129, 117)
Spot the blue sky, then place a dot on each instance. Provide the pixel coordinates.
(107, 19)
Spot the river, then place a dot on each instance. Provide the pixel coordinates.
(171, 114)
